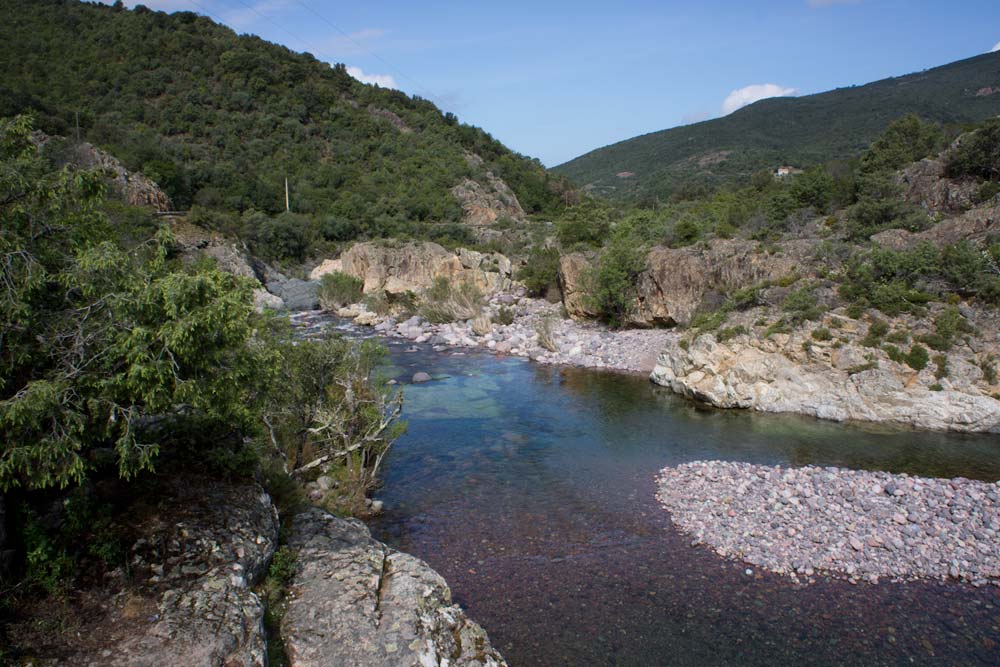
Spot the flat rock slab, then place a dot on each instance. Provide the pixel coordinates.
(856, 524)
(356, 602)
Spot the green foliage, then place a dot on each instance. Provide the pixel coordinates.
(904, 141)
(221, 120)
(614, 278)
(100, 337)
(880, 206)
(917, 358)
(540, 274)
(947, 325)
(941, 362)
(802, 305)
(821, 334)
(444, 302)
(978, 154)
(730, 332)
(337, 289)
(505, 315)
(876, 332)
(586, 224)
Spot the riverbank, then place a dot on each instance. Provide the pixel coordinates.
(537, 331)
(859, 525)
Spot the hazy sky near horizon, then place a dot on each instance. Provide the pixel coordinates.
(554, 80)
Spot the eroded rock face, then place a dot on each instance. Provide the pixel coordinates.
(925, 185)
(413, 267)
(355, 602)
(776, 374)
(186, 598)
(677, 280)
(485, 203)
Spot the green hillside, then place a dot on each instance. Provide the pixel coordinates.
(799, 131)
(220, 120)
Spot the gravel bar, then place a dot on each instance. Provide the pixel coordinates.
(858, 525)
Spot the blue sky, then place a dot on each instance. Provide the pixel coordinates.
(554, 80)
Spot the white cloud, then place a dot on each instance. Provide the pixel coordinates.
(749, 94)
(996, 47)
(827, 3)
(384, 80)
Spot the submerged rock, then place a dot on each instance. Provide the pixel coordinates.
(355, 602)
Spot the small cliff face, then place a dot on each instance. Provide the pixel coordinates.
(414, 267)
(678, 281)
(839, 379)
(355, 602)
(485, 201)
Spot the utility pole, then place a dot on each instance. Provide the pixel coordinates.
(287, 207)
(77, 114)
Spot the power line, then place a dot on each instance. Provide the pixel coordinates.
(402, 75)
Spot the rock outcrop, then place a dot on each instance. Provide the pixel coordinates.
(830, 379)
(925, 184)
(135, 188)
(413, 267)
(355, 602)
(186, 598)
(678, 281)
(485, 203)
(325, 267)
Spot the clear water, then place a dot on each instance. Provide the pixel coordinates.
(530, 489)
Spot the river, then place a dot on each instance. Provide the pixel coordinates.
(530, 489)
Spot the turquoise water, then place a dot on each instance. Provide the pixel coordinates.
(530, 488)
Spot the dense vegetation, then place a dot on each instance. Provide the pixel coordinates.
(118, 355)
(844, 203)
(220, 121)
(803, 131)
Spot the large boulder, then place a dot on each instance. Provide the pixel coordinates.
(198, 547)
(355, 602)
(677, 281)
(296, 294)
(924, 184)
(413, 267)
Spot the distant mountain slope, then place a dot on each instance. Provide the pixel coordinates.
(796, 131)
(222, 120)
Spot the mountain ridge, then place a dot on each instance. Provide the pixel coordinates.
(801, 131)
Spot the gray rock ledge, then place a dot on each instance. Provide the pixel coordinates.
(859, 525)
(354, 601)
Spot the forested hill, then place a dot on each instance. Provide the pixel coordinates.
(798, 131)
(221, 120)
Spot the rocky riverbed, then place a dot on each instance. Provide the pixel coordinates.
(538, 331)
(858, 525)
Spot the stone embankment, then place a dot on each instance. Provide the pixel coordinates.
(863, 526)
(538, 332)
(355, 602)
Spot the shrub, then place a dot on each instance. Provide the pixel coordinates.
(540, 274)
(978, 154)
(876, 331)
(443, 302)
(730, 332)
(505, 315)
(947, 325)
(917, 358)
(545, 329)
(989, 369)
(941, 361)
(338, 289)
(821, 334)
(613, 280)
(802, 305)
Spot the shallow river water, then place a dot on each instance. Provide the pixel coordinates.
(530, 489)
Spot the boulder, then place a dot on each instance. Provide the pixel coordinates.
(264, 300)
(678, 281)
(325, 267)
(924, 184)
(413, 267)
(296, 294)
(355, 602)
(420, 377)
(199, 546)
